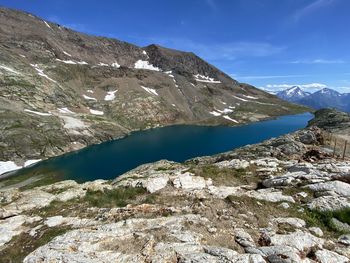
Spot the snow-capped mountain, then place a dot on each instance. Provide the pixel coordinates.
(292, 94)
(325, 98)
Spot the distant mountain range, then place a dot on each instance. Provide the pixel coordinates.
(325, 98)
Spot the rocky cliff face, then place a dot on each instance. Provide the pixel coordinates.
(283, 200)
(61, 90)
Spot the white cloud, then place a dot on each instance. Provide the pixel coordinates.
(311, 8)
(267, 76)
(319, 61)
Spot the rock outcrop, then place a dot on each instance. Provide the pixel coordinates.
(258, 203)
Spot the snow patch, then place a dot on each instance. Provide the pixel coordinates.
(23, 56)
(150, 91)
(41, 72)
(47, 25)
(65, 111)
(250, 97)
(8, 69)
(115, 65)
(67, 61)
(82, 63)
(110, 95)
(90, 91)
(38, 113)
(8, 167)
(66, 53)
(144, 52)
(89, 98)
(31, 162)
(72, 123)
(224, 110)
(102, 64)
(206, 79)
(238, 98)
(215, 113)
(96, 112)
(230, 119)
(143, 64)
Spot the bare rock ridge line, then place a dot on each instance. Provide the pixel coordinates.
(62, 90)
(286, 199)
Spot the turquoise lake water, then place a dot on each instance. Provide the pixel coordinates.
(175, 143)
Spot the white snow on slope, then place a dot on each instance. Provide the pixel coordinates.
(47, 25)
(206, 79)
(142, 64)
(258, 102)
(238, 98)
(102, 64)
(89, 98)
(38, 113)
(150, 91)
(215, 113)
(65, 111)
(8, 69)
(144, 52)
(41, 72)
(23, 56)
(30, 162)
(110, 95)
(66, 53)
(8, 166)
(230, 119)
(82, 63)
(96, 112)
(71, 123)
(224, 110)
(67, 61)
(90, 91)
(115, 65)
(250, 97)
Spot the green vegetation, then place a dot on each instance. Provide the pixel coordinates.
(29, 179)
(118, 197)
(22, 245)
(323, 218)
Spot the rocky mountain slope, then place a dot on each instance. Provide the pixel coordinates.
(325, 98)
(283, 200)
(61, 90)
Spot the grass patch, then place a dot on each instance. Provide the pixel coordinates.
(24, 244)
(118, 197)
(31, 178)
(225, 176)
(323, 219)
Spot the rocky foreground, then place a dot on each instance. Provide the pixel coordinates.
(283, 200)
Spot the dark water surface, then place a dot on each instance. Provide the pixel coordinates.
(176, 143)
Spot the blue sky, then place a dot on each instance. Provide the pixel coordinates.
(267, 43)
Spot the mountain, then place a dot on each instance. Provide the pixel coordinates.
(325, 98)
(292, 94)
(61, 90)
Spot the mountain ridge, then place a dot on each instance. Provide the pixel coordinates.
(61, 90)
(324, 98)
